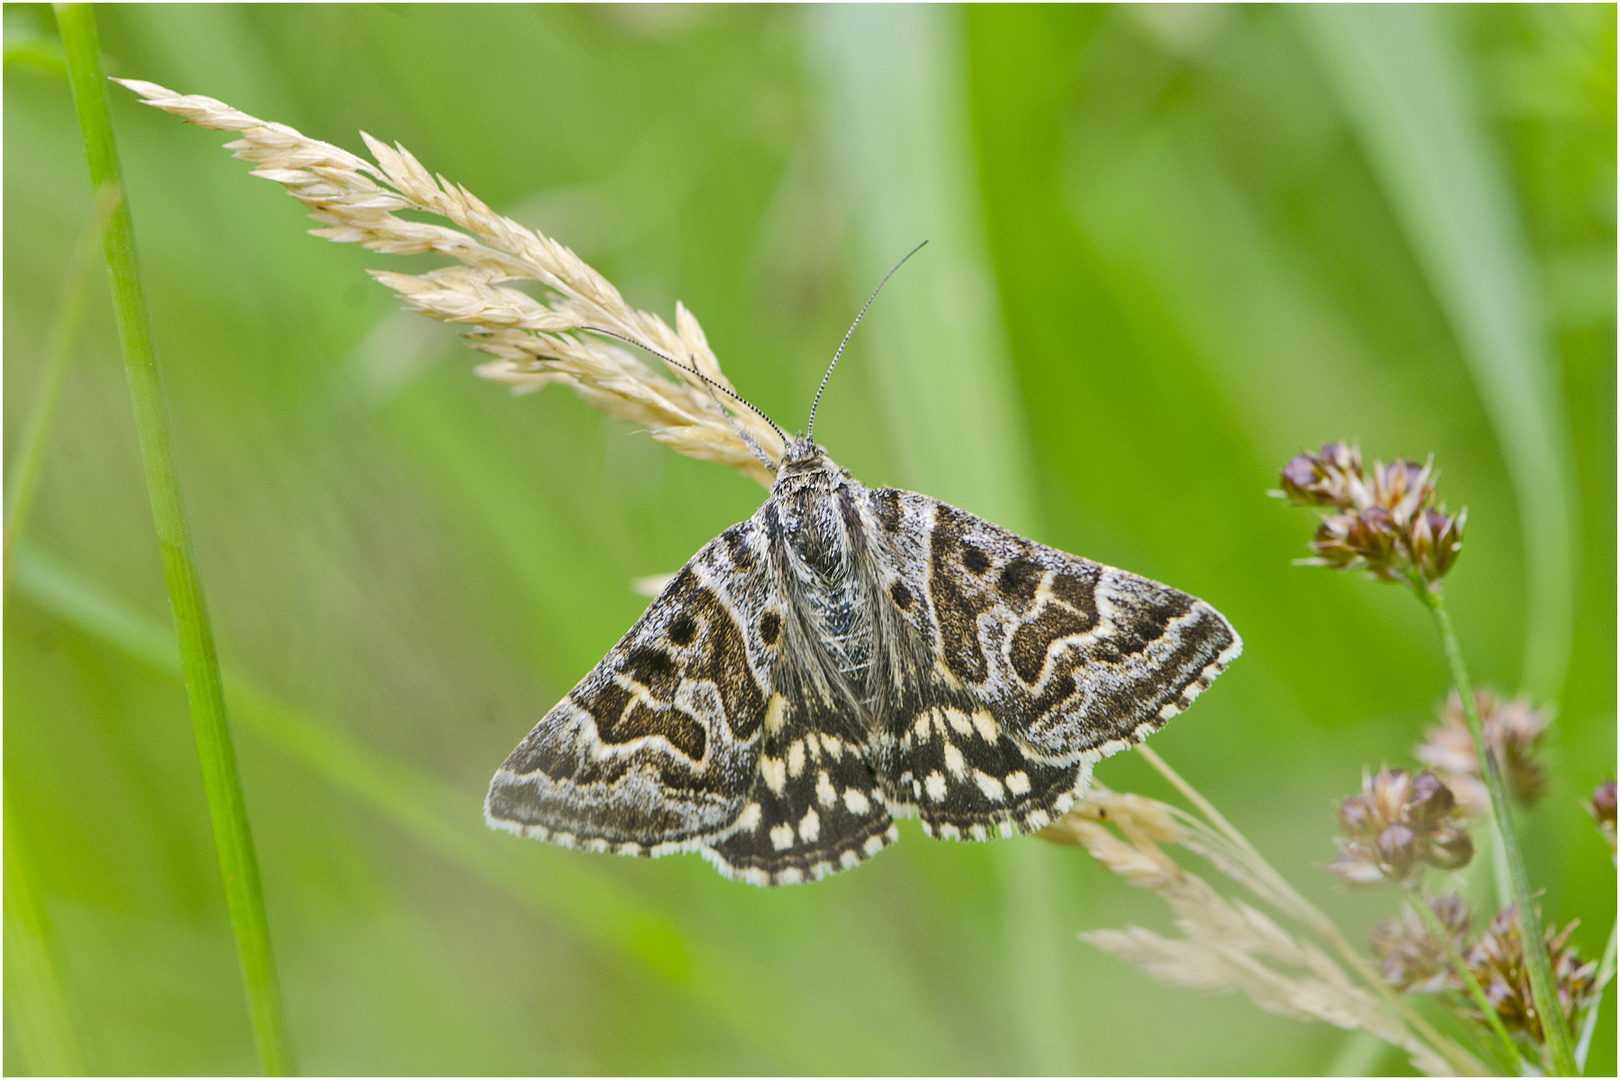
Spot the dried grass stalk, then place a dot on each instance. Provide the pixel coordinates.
(534, 343)
(1226, 946)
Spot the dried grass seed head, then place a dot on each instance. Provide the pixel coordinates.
(535, 343)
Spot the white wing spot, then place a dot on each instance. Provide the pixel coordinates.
(748, 820)
(922, 724)
(936, 786)
(795, 758)
(810, 827)
(774, 772)
(856, 801)
(826, 794)
(990, 786)
(1018, 783)
(976, 831)
(953, 760)
(849, 860)
(782, 837)
(959, 721)
(948, 832)
(986, 724)
(775, 713)
(791, 876)
(873, 845)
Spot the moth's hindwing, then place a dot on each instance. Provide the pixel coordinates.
(1043, 663)
(816, 808)
(657, 749)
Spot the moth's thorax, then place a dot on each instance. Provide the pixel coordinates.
(817, 509)
(816, 515)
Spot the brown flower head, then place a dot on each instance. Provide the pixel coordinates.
(1513, 731)
(1497, 961)
(1324, 478)
(1388, 520)
(1435, 541)
(1602, 811)
(1399, 824)
(1410, 958)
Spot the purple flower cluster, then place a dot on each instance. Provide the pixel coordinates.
(1398, 825)
(1387, 520)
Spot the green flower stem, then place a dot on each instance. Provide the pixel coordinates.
(1438, 930)
(1542, 987)
(1307, 913)
(24, 479)
(1589, 1020)
(233, 835)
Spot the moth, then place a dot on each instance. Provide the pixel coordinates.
(845, 657)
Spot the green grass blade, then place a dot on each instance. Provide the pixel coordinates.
(233, 834)
(23, 482)
(584, 904)
(1401, 85)
(892, 93)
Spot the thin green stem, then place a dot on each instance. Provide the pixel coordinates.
(24, 479)
(1440, 933)
(233, 835)
(1542, 987)
(1307, 913)
(1589, 1018)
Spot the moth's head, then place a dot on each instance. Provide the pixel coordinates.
(802, 456)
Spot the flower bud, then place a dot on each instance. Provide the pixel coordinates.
(1358, 818)
(1513, 731)
(1396, 825)
(1450, 849)
(1602, 811)
(1400, 850)
(1326, 478)
(1430, 800)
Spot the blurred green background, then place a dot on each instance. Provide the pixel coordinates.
(1170, 247)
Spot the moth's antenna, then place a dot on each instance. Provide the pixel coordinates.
(666, 358)
(810, 428)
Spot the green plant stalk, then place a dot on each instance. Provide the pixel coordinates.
(233, 835)
(1542, 987)
(1420, 904)
(24, 479)
(1589, 1021)
(1307, 913)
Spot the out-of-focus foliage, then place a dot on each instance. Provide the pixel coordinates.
(1198, 272)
